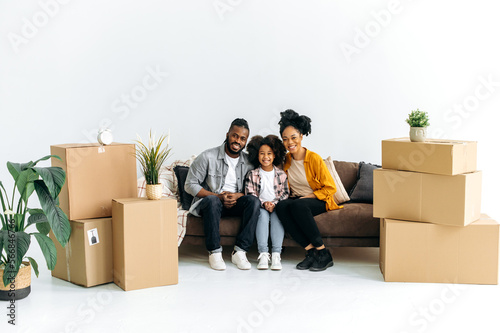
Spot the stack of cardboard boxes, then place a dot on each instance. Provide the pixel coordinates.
(94, 175)
(137, 247)
(428, 196)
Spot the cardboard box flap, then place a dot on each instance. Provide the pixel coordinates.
(434, 141)
(89, 144)
(485, 220)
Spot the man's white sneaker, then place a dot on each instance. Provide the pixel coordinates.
(239, 258)
(264, 259)
(276, 261)
(216, 261)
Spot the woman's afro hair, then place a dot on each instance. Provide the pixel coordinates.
(292, 118)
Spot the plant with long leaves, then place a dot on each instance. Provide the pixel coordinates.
(17, 216)
(152, 156)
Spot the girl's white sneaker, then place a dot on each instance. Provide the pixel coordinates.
(264, 259)
(276, 261)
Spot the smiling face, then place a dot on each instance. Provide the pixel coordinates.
(236, 139)
(292, 139)
(266, 157)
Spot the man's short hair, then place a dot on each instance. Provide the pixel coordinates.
(239, 122)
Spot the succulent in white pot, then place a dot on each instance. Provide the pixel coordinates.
(418, 121)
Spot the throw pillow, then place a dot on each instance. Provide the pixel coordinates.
(341, 195)
(363, 189)
(181, 174)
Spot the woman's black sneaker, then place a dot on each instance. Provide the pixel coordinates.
(308, 261)
(322, 260)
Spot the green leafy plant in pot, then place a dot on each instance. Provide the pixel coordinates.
(151, 158)
(17, 217)
(418, 121)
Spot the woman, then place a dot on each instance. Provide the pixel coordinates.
(312, 189)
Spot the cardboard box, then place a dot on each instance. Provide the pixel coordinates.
(442, 157)
(87, 259)
(145, 243)
(424, 252)
(413, 196)
(94, 176)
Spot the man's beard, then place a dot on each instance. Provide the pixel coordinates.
(228, 146)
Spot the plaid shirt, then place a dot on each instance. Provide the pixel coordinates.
(252, 185)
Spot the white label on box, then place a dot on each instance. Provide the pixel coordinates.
(93, 236)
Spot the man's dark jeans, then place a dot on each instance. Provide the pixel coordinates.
(211, 210)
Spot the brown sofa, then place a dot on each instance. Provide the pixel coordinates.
(353, 225)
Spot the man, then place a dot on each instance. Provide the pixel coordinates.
(216, 179)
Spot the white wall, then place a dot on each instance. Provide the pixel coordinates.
(61, 80)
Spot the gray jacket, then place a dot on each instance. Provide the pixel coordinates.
(209, 171)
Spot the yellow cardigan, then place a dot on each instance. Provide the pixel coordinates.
(318, 177)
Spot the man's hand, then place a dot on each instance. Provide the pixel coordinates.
(229, 199)
(222, 196)
(269, 206)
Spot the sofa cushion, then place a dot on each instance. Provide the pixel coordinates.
(348, 173)
(181, 174)
(341, 195)
(354, 220)
(363, 189)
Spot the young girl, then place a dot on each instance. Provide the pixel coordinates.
(269, 183)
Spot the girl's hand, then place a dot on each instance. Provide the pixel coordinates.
(269, 206)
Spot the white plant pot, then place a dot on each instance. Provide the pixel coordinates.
(418, 134)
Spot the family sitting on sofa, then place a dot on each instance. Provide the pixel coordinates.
(268, 189)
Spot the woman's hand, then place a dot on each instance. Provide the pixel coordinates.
(309, 196)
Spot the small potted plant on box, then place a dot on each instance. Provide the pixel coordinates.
(418, 121)
(151, 158)
(17, 217)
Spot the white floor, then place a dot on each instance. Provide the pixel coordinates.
(350, 297)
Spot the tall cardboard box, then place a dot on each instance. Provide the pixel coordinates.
(442, 157)
(413, 196)
(425, 252)
(145, 243)
(87, 259)
(94, 176)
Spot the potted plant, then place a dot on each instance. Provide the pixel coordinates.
(17, 217)
(151, 158)
(418, 121)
